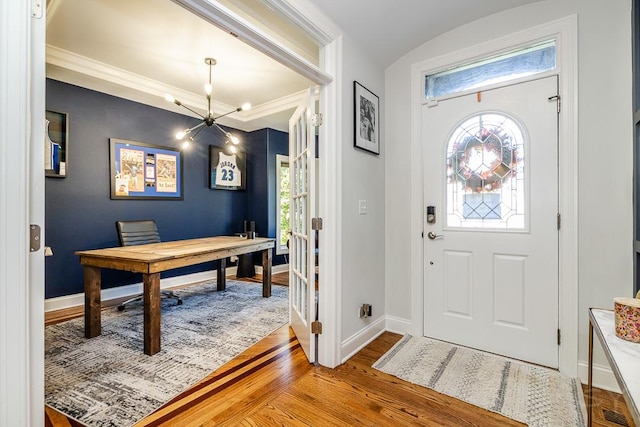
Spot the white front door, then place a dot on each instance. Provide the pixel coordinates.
(302, 292)
(491, 220)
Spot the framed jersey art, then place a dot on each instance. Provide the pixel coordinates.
(227, 171)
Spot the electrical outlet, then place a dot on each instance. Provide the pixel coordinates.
(365, 311)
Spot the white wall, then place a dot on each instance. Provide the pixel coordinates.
(604, 151)
(363, 236)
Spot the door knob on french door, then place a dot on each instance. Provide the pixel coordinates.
(433, 236)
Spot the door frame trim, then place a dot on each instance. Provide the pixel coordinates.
(29, 54)
(565, 32)
(329, 76)
(22, 183)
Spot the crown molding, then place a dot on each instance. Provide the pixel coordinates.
(306, 15)
(118, 82)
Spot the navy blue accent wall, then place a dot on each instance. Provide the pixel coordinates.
(261, 184)
(257, 194)
(80, 214)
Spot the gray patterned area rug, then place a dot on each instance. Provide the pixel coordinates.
(109, 381)
(527, 393)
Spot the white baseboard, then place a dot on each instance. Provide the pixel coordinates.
(398, 325)
(280, 268)
(356, 342)
(603, 376)
(75, 300)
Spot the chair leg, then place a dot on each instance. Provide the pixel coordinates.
(136, 298)
(166, 294)
(171, 294)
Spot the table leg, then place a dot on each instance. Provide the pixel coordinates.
(266, 273)
(222, 275)
(92, 304)
(151, 296)
(590, 377)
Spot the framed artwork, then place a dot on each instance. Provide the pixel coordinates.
(145, 171)
(56, 144)
(227, 171)
(366, 119)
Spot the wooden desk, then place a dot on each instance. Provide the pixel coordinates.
(154, 258)
(623, 356)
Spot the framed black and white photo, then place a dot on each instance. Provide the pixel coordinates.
(367, 119)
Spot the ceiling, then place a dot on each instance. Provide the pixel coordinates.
(143, 49)
(390, 29)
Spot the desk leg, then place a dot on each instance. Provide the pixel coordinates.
(222, 275)
(151, 297)
(266, 273)
(92, 305)
(590, 377)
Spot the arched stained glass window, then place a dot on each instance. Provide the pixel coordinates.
(486, 174)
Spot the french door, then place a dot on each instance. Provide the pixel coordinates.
(302, 292)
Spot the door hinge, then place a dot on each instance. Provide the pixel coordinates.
(316, 119)
(557, 99)
(34, 238)
(316, 224)
(559, 221)
(559, 338)
(36, 9)
(316, 327)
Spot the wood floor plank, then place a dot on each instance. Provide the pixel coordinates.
(262, 388)
(273, 416)
(54, 418)
(287, 407)
(607, 401)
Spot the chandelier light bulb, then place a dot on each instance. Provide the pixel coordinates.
(246, 106)
(234, 139)
(186, 143)
(169, 97)
(233, 149)
(181, 134)
(208, 88)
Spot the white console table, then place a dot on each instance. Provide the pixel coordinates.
(623, 356)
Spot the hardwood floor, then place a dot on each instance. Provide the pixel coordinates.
(272, 384)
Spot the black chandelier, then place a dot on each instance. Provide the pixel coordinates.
(209, 120)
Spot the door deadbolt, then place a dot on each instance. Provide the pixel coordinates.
(431, 214)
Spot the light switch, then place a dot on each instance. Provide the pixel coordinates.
(362, 207)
